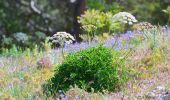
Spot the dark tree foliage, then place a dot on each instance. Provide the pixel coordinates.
(30, 16)
(144, 10)
(50, 16)
(149, 10)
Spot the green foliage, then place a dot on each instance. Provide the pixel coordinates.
(28, 20)
(23, 40)
(19, 16)
(35, 50)
(40, 36)
(14, 51)
(96, 23)
(101, 22)
(98, 67)
(145, 10)
(104, 5)
(167, 11)
(6, 41)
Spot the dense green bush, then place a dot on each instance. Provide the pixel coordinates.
(97, 67)
(104, 5)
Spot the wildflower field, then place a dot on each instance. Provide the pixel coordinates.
(113, 56)
(146, 58)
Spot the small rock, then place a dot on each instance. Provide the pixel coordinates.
(160, 88)
(151, 95)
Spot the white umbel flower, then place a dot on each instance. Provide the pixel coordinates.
(73, 1)
(62, 38)
(124, 17)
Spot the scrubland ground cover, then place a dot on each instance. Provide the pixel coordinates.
(106, 65)
(147, 63)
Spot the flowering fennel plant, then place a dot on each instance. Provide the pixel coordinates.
(124, 17)
(62, 38)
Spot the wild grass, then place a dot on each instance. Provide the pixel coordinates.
(148, 66)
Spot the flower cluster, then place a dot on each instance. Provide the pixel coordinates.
(62, 38)
(144, 26)
(89, 28)
(124, 17)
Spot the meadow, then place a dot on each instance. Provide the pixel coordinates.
(146, 55)
(84, 49)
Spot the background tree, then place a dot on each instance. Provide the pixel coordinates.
(38, 18)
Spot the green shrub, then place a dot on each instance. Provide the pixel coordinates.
(97, 67)
(102, 22)
(96, 22)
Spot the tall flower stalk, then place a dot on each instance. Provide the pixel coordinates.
(90, 29)
(62, 38)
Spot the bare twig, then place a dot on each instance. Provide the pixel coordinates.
(34, 8)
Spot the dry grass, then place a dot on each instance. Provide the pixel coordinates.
(21, 79)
